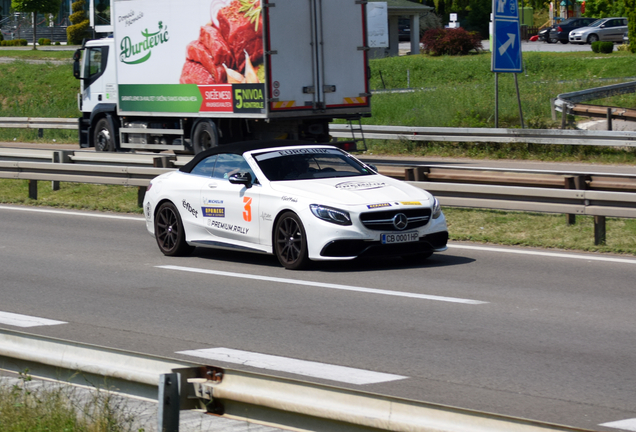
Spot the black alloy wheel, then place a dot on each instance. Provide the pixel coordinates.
(104, 137)
(169, 231)
(290, 242)
(205, 136)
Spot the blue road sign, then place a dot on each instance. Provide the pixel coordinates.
(506, 55)
(506, 9)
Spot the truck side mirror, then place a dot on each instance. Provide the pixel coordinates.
(76, 63)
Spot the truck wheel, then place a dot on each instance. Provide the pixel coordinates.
(290, 242)
(104, 137)
(169, 231)
(205, 136)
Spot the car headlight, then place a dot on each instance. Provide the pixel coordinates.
(331, 214)
(437, 209)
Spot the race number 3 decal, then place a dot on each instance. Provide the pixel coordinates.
(247, 214)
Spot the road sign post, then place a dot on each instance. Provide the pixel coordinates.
(506, 47)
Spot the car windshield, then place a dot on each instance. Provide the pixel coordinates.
(596, 23)
(309, 163)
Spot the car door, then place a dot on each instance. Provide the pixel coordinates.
(230, 211)
(608, 32)
(187, 195)
(621, 28)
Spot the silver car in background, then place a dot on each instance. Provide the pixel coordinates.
(605, 29)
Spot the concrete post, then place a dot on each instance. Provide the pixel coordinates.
(415, 34)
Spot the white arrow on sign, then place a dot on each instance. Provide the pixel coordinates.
(509, 42)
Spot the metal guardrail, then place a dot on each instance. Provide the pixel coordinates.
(528, 136)
(38, 123)
(570, 103)
(573, 193)
(596, 93)
(250, 396)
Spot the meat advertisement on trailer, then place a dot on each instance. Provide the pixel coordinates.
(191, 56)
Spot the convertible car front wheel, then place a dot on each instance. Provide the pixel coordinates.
(169, 231)
(290, 242)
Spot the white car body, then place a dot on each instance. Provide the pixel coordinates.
(222, 214)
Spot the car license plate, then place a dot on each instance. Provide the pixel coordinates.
(403, 237)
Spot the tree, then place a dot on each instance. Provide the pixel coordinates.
(79, 30)
(630, 5)
(605, 8)
(35, 7)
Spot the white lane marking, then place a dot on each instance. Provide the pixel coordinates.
(298, 367)
(18, 320)
(68, 213)
(545, 254)
(324, 285)
(629, 424)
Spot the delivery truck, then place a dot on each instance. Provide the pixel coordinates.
(188, 75)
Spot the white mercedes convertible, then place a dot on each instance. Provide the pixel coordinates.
(299, 201)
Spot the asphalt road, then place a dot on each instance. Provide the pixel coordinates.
(545, 337)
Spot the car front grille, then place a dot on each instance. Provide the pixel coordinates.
(384, 220)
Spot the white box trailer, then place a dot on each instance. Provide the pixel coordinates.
(191, 74)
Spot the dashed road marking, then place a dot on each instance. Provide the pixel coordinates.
(325, 285)
(294, 366)
(18, 320)
(629, 424)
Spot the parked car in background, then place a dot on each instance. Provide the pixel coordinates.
(404, 29)
(605, 29)
(544, 34)
(561, 31)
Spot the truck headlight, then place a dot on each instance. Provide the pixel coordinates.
(330, 214)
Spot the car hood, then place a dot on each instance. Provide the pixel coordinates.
(352, 191)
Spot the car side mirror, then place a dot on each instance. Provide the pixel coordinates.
(244, 179)
(374, 168)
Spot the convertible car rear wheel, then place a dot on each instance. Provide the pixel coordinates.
(169, 231)
(290, 242)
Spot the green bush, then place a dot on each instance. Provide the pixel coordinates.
(603, 47)
(1, 37)
(44, 41)
(457, 41)
(79, 30)
(14, 42)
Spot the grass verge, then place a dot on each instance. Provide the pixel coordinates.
(481, 226)
(56, 408)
